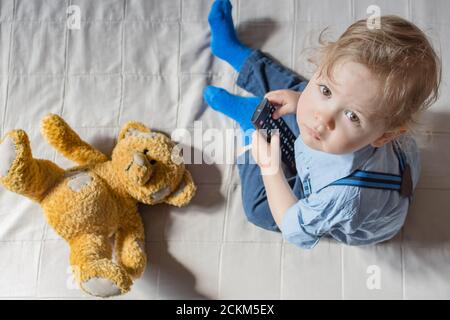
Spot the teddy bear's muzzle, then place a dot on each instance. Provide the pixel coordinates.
(140, 170)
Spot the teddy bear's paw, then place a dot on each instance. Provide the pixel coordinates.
(14, 148)
(101, 287)
(103, 278)
(7, 155)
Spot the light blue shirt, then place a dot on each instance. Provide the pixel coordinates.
(349, 214)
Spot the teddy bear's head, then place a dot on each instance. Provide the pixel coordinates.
(151, 167)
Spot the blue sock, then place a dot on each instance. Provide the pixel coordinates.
(237, 108)
(224, 42)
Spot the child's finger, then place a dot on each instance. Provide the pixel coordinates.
(276, 97)
(261, 140)
(275, 141)
(254, 146)
(275, 149)
(255, 136)
(263, 152)
(279, 112)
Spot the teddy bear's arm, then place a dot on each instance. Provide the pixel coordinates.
(67, 142)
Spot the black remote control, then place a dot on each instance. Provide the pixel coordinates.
(262, 119)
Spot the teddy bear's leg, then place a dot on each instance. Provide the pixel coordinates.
(130, 246)
(96, 273)
(130, 252)
(20, 172)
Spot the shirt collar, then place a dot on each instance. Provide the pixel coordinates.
(324, 168)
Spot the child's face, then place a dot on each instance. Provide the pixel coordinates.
(338, 117)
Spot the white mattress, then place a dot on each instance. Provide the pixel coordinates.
(149, 61)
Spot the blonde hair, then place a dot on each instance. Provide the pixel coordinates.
(400, 56)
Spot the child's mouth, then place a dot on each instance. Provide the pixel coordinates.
(312, 133)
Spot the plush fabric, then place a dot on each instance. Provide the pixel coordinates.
(97, 200)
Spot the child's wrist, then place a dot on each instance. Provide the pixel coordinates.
(271, 171)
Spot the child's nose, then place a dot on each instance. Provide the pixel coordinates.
(325, 120)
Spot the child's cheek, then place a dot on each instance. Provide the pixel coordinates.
(305, 105)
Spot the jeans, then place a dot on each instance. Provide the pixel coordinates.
(259, 75)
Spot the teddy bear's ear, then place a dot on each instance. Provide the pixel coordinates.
(132, 128)
(184, 193)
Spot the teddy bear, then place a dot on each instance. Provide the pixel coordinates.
(94, 206)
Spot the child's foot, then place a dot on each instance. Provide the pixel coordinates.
(224, 42)
(237, 108)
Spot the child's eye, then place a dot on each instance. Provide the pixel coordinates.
(352, 116)
(325, 90)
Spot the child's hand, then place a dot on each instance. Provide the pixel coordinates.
(284, 100)
(267, 156)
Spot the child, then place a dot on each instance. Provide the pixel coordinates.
(357, 167)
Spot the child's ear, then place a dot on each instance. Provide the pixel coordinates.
(184, 193)
(132, 128)
(388, 137)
